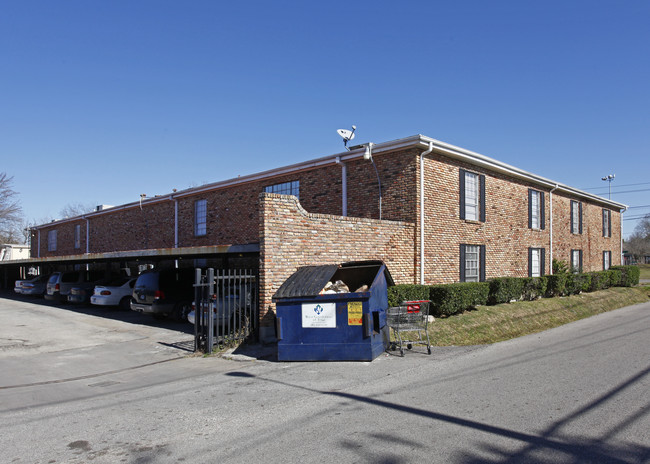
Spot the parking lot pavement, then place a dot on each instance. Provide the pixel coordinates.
(42, 343)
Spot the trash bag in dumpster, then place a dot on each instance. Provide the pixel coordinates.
(333, 312)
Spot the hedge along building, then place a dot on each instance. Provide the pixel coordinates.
(435, 213)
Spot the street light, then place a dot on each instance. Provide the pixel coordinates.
(609, 178)
(368, 157)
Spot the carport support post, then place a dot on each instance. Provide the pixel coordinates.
(211, 302)
(197, 307)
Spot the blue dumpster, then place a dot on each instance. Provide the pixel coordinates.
(349, 326)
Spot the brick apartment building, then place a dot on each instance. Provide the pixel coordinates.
(435, 213)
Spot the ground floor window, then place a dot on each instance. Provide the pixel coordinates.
(472, 263)
(576, 260)
(607, 259)
(536, 262)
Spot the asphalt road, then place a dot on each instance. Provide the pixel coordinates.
(575, 394)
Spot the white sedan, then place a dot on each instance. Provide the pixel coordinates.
(116, 293)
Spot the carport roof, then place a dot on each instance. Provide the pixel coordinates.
(160, 253)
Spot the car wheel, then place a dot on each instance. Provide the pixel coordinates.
(125, 303)
(181, 310)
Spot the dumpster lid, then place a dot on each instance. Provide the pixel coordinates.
(308, 281)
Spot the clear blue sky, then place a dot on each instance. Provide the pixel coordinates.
(104, 100)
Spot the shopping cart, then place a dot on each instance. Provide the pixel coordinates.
(410, 316)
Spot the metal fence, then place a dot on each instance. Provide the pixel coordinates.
(225, 307)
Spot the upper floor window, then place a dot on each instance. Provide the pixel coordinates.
(576, 217)
(607, 223)
(536, 262)
(77, 236)
(607, 259)
(51, 240)
(536, 214)
(200, 217)
(472, 263)
(472, 196)
(286, 188)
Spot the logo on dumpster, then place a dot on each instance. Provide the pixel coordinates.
(319, 315)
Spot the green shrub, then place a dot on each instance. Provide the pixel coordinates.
(576, 283)
(629, 275)
(615, 276)
(534, 287)
(599, 280)
(505, 289)
(455, 298)
(556, 284)
(399, 293)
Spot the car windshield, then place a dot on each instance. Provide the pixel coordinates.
(118, 282)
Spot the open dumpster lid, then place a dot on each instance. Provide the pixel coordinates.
(308, 281)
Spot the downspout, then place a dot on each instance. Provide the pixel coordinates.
(344, 186)
(422, 155)
(551, 228)
(621, 221)
(171, 197)
(39, 244)
(87, 235)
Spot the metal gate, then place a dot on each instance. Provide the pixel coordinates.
(225, 307)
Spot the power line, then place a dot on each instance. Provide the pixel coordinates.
(644, 206)
(617, 185)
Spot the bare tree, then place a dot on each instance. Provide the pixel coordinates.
(638, 244)
(76, 209)
(10, 211)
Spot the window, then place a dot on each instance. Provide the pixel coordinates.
(200, 217)
(576, 217)
(536, 216)
(576, 260)
(472, 263)
(77, 236)
(536, 262)
(472, 196)
(287, 188)
(607, 223)
(607, 260)
(51, 240)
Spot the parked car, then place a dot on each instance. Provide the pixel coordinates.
(82, 291)
(116, 293)
(227, 312)
(34, 286)
(60, 284)
(164, 293)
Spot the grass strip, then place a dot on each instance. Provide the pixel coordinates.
(491, 324)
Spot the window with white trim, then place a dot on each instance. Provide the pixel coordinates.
(536, 216)
(576, 217)
(51, 240)
(200, 217)
(576, 261)
(536, 262)
(607, 223)
(607, 259)
(472, 263)
(472, 196)
(286, 188)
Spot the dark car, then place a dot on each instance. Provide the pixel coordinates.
(60, 284)
(164, 293)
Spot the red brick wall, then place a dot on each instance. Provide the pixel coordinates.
(505, 232)
(291, 237)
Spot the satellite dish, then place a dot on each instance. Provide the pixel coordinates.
(347, 135)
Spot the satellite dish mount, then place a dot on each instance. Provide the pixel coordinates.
(347, 136)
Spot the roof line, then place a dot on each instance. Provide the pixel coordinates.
(415, 141)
